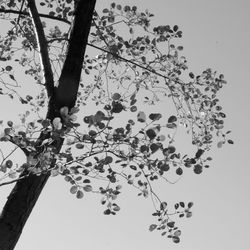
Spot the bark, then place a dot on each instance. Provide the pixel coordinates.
(27, 190)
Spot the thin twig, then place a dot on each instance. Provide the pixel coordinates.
(24, 13)
(131, 62)
(20, 12)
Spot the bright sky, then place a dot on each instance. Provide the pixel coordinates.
(217, 35)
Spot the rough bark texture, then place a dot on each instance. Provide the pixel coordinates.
(26, 191)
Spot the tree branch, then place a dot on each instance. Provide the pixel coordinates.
(131, 62)
(91, 45)
(12, 181)
(66, 92)
(24, 13)
(20, 12)
(26, 191)
(42, 44)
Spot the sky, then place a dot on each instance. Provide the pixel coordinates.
(215, 34)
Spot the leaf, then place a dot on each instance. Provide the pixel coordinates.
(79, 146)
(144, 149)
(64, 111)
(133, 167)
(8, 68)
(105, 10)
(116, 96)
(107, 212)
(57, 123)
(79, 194)
(52, 13)
(126, 8)
(155, 116)
(151, 134)
(162, 137)
(172, 119)
(171, 125)
(168, 150)
(176, 239)
(199, 153)
(154, 147)
(116, 208)
(179, 171)
(197, 169)
(108, 160)
(58, 9)
(117, 107)
(54, 172)
(3, 168)
(9, 163)
(220, 144)
(133, 109)
(7, 131)
(191, 75)
(141, 116)
(12, 77)
(73, 189)
(175, 28)
(134, 8)
(86, 181)
(182, 204)
(177, 233)
(152, 227)
(87, 188)
(165, 167)
(190, 204)
(10, 124)
(163, 205)
(99, 116)
(171, 224)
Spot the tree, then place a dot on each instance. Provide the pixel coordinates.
(95, 153)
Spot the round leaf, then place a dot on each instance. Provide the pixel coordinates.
(116, 96)
(87, 188)
(79, 194)
(176, 239)
(197, 169)
(172, 119)
(155, 116)
(151, 134)
(8, 68)
(152, 227)
(79, 146)
(73, 189)
(9, 163)
(141, 116)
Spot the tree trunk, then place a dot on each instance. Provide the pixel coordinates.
(26, 191)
